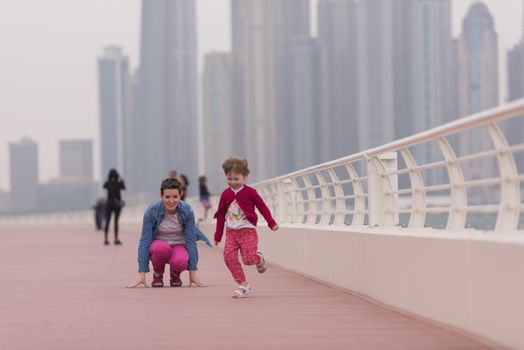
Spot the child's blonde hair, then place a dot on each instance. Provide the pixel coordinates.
(237, 165)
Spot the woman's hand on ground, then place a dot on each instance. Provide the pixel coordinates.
(141, 279)
(274, 228)
(193, 278)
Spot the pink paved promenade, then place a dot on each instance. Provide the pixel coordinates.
(62, 289)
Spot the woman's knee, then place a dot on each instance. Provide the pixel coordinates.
(178, 264)
(160, 248)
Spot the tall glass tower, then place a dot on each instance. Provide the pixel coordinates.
(262, 36)
(478, 80)
(338, 40)
(167, 98)
(113, 78)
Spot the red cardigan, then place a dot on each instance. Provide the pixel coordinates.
(247, 199)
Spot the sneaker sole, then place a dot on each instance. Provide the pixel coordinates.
(239, 296)
(236, 296)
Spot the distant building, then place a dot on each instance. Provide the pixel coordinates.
(432, 62)
(375, 73)
(404, 55)
(262, 35)
(338, 41)
(304, 129)
(133, 170)
(114, 100)
(23, 175)
(75, 188)
(218, 128)
(64, 195)
(432, 76)
(515, 69)
(478, 80)
(76, 160)
(477, 62)
(167, 93)
(514, 128)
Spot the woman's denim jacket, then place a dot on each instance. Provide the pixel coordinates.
(153, 216)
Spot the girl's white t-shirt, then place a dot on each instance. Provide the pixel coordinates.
(235, 217)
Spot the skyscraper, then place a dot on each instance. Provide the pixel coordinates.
(23, 175)
(262, 32)
(477, 61)
(405, 71)
(477, 68)
(167, 103)
(76, 160)
(432, 63)
(515, 60)
(218, 128)
(304, 126)
(431, 75)
(514, 129)
(338, 41)
(133, 167)
(404, 55)
(113, 80)
(293, 30)
(515, 68)
(376, 79)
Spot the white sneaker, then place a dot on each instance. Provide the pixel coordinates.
(242, 291)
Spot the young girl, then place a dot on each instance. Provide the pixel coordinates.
(204, 195)
(236, 210)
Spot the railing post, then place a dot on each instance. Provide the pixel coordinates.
(383, 190)
(284, 200)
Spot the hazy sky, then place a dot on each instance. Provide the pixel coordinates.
(48, 63)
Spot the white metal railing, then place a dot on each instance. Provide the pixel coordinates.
(461, 174)
(467, 173)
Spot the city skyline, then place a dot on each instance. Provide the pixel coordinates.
(68, 114)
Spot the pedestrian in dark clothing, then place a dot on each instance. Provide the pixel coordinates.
(114, 203)
(184, 183)
(204, 195)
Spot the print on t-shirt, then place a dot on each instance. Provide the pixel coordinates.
(235, 217)
(234, 212)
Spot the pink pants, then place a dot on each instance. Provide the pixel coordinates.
(245, 240)
(161, 253)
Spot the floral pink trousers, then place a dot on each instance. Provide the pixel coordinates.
(245, 240)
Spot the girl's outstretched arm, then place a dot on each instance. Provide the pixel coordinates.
(264, 210)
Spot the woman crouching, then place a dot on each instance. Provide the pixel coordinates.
(169, 236)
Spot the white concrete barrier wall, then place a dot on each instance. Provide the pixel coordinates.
(468, 280)
(130, 215)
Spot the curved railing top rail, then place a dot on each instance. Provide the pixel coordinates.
(496, 114)
(461, 174)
